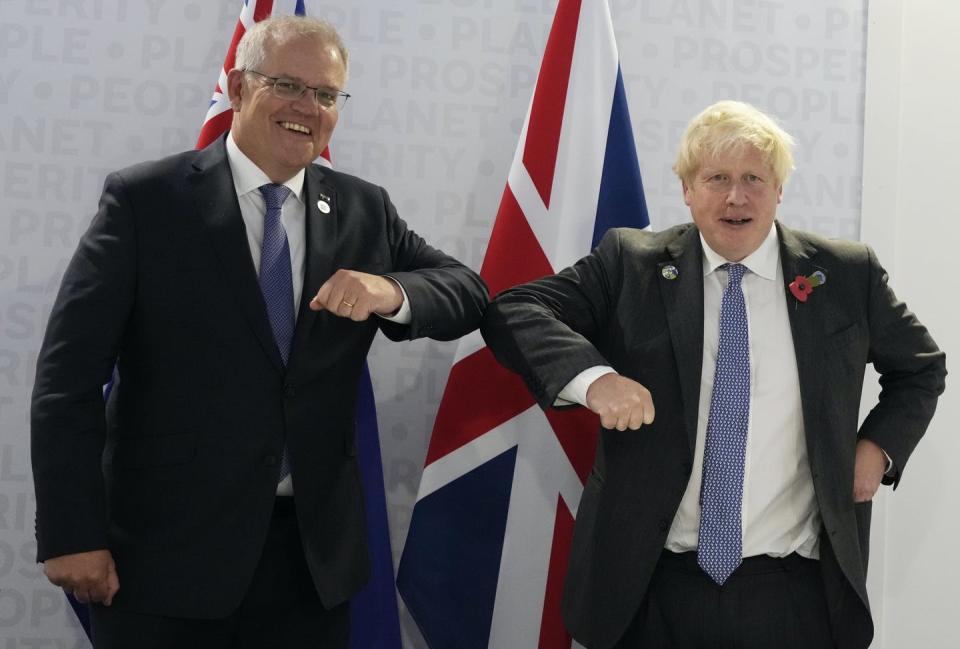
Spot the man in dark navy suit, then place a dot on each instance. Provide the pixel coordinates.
(214, 500)
(738, 515)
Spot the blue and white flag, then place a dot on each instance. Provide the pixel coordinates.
(486, 554)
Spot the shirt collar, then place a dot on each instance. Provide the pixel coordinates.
(763, 261)
(248, 177)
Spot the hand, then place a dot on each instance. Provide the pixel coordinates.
(88, 576)
(868, 470)
(355, 295)
(622, 403)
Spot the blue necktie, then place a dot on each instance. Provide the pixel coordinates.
(720, 547)
(276, 280)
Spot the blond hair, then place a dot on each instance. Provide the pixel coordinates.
(727, 126)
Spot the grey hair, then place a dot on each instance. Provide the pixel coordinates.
(268, 33)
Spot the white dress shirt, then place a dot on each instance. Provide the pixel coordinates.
(779, 508)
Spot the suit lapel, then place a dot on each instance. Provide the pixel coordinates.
(683, 303)
(806, 325)
(216, 202)
(321, 238)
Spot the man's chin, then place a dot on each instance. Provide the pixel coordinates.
(735, 248)
(295, 163)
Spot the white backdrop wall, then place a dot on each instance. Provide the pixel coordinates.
(910, 167)
(440, 90)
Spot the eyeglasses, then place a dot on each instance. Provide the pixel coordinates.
(292, 90)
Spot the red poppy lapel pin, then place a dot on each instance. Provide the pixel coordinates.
(802, 287)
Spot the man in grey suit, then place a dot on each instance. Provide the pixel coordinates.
(215, 500)
(737, 513)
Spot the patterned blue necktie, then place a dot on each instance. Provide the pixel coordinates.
(276, 280)
(720, 547)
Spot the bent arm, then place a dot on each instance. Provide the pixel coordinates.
(912, 371)
(447, 299)
(544, 330)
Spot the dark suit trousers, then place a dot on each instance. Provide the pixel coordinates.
(280, 610)
(766, 603)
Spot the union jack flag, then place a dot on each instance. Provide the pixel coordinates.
(486, 554)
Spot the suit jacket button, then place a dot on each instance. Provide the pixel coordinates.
(289, 391)
(269, 460)
(664, 525)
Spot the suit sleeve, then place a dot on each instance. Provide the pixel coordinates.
(912, 370)
(447, 299)
(76, 359)
(547, 331)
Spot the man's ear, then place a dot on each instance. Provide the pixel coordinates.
(686, 192)
(235, 88)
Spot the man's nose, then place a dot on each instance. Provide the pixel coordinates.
(737, 194)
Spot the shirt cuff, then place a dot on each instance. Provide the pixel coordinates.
(403, 315)
(889, 472)
(576, 390)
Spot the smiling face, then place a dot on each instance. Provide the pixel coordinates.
(733, 199)
(282, 136)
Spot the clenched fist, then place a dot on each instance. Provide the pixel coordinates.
(355, 295)
(88, 576)
(622, 403)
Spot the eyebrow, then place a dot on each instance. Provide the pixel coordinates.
(707, 171)
(292, 77)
